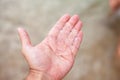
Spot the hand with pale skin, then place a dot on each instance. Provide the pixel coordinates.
(114, 4)
(54, 57)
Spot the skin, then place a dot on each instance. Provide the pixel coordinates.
(54, 57)
(114, 4)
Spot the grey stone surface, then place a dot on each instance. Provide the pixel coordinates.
(96, 58)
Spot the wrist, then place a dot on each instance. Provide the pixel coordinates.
(37, 75)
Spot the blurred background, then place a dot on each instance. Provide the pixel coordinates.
(97, 58)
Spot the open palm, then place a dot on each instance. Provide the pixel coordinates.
(56, 53)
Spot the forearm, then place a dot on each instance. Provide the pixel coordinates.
(38, 76)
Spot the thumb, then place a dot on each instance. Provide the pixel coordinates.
(24, 37)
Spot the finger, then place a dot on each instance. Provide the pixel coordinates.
(24, 37)
(59, 25)
(78, 26)
(114, 4)
(76, 43)
(69, 25)
(74, 32)
(73, 20)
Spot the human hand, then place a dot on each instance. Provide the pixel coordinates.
(55, 55)
(114, 4)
